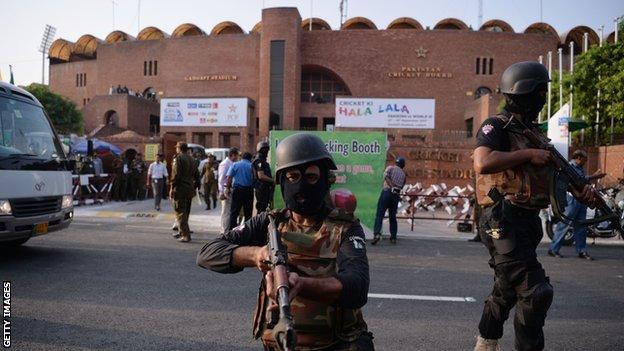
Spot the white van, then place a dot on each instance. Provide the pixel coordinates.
(218, 152)
(35, 186)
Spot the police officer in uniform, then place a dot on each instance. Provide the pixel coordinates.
(512, 186)
(327, 259)
(183, 176)
(263, 186)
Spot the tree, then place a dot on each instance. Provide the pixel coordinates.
(600, 68)
(63, 113)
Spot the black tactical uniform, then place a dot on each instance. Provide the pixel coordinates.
(510, 224)
(262, 190)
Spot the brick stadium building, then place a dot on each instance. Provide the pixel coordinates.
(291, 70)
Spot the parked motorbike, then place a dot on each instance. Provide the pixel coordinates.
(614, 197)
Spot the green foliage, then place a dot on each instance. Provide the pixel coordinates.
(600, 68)
(64, 114)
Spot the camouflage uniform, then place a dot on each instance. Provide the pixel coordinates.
(210, 184)
(318, 252)
(183, 171)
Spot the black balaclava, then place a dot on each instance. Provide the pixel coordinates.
(527, 105)
(314, 194)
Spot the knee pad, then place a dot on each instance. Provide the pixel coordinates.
(542, 297)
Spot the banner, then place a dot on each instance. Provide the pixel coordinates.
(385, 113)
(361, 160)
(558, 131)
(196, 112)
(151, 150)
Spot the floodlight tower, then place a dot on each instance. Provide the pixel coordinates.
(46, 41)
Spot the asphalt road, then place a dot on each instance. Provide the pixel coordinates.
(126, 284)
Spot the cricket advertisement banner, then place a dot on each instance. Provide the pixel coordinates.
(361, 161)
(385, 113)
(196, 112)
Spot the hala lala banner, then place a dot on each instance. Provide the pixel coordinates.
(385, 113)
(221, 112)
(361, 161)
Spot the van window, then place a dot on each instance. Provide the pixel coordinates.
(25, 130)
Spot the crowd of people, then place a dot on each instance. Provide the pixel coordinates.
(149, 95)
(237, 181)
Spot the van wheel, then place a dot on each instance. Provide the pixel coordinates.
(17, 242)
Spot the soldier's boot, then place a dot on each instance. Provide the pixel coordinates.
(487, 344)
(184, 238)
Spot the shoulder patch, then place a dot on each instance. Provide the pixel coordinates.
(486, 129)
(358, 242)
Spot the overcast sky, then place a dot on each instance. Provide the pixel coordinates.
(23, 21)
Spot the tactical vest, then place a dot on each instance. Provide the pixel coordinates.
(525, 185)
(312, 254)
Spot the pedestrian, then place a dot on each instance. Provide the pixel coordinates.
(183, 170)
(327, 262)
(512, 187)
(263, 184)
(224, 167)
(157, 178)
(209, 182)
(576, 211)
(239, 183)
(394, 180)
(97, 164)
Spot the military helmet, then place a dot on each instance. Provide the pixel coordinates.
(301, 148)
(523, 77)
(261, 145)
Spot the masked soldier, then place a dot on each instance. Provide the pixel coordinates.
(326, 254)
(512, 186)
(263, 185)
(183, 174)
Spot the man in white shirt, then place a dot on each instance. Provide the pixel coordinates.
(157, 175)
(224, 166)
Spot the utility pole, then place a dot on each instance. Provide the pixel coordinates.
(480, 13)
(344, 4)
(114, 4)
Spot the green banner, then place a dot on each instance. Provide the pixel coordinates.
(361, 160)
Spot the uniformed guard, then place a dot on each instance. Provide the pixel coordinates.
(512, 186)
(209, 181)
(327, 262)
(183, 172)
(264, 184)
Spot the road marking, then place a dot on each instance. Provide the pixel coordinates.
(424, 297)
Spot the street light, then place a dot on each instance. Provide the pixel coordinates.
(46, 41)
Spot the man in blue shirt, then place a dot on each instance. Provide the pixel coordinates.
(239, 185)
(575, 210)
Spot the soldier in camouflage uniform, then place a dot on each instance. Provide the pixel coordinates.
(183, 174)
(328, 267)
(512, 186)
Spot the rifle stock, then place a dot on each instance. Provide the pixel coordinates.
(284, 331)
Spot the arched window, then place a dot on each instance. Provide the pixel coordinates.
(321, 85)
(111, 118)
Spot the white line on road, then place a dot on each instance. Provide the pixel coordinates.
(424, 297)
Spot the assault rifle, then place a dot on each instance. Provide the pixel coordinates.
(566, 175)
(284, 331)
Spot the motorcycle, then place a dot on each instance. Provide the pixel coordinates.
(614, 197)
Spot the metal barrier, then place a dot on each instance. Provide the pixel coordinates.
(88, 189)
(456, 202)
